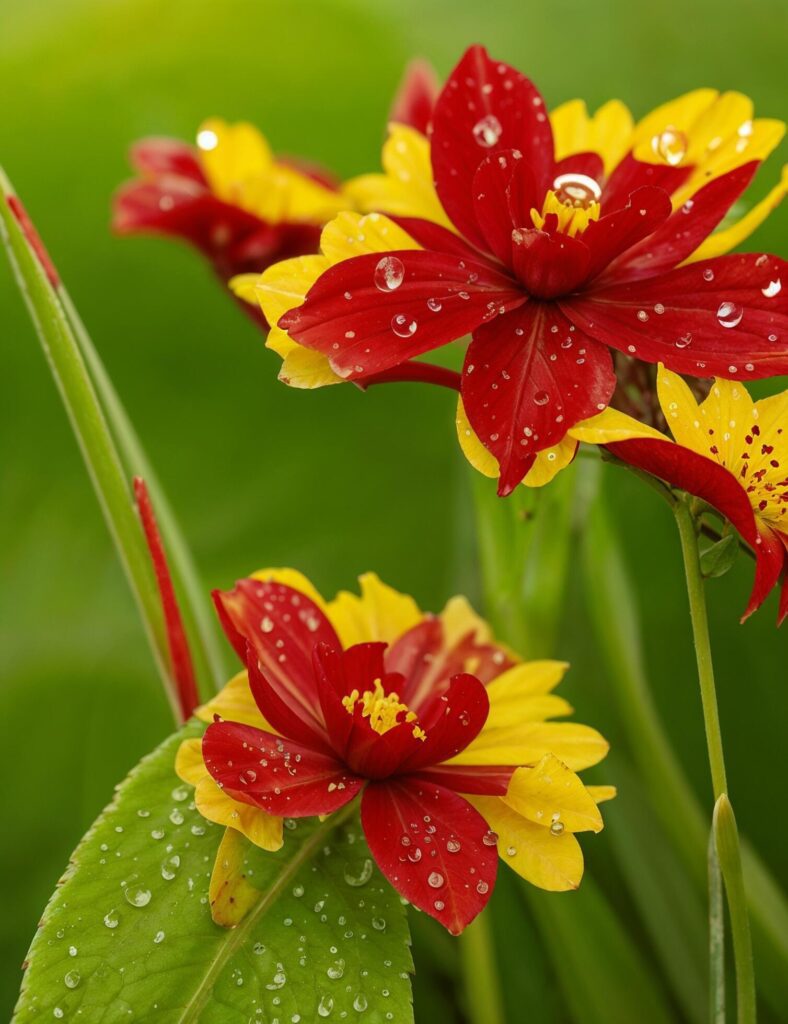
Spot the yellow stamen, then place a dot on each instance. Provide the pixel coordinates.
(384, 710)
(574, 214)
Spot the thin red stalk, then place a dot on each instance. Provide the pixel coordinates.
(34, 239)
(425, 373)
(177, 642)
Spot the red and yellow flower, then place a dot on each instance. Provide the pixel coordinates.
(728, 450)
(441, 732)
(551, 239)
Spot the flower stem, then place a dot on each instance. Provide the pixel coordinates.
(484, 1004)
(725, 831)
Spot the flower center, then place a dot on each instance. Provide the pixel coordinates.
(573, 201)
(384, 710)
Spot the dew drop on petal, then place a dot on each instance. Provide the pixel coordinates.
(490, 838)
(671, 145)
(435, 879)
(541, 398)
(482, 888)
(434, 305)
(137, 897)
(389, 273)
(772, 288)
(708, 274)
(403, 326)
(729, 314)
(487, 131)
(684, 341)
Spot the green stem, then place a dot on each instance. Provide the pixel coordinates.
(198, 616)
(484, 1002)
(716, 937)
(726, 833)
(700, 632)
(92, 433)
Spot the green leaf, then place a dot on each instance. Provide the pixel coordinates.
(719, 557)
(128, 933)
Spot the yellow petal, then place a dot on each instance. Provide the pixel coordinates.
(612, 425)
(264, 830)
(306, 368)
(549, 461)
(726, 239)
(602, 793)
(578, 746)
(230, 894)
(550, 793)
(353, 234)
(528, 679)
(284, 285)
(550, 862)
(380, 613)
(608, 132)
(406, 188)
(459, 619)
(231, 155)
(245, 287)
(235, 703)
(679, 115)
(189, 764)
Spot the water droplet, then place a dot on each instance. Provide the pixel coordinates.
(325, 1006)
(439, 905)
(729, 314)
(336, 970)
(248, 777)
(360, 1003)
(267, 625)
(403, 325)
(389, 273)
(577, 190)
(453, 845)
(487, 131)
(72, 979)
(541, 398)
(684, 341)
(169, 867)
(490, 838)
(379, 924)
(72, 951)
(659, 309)
(772, 288)
(556, 828)
(362, 877)
(435, 879)
(708, 274)
(642, 316)
(435, 305)
(158, 938)
(482, 888)
(137, 897)
(111, 919)
(670, 145)
(57, 1012)
(176, 816)
(180, 793)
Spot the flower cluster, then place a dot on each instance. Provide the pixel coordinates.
(440, 731)
(551, 239)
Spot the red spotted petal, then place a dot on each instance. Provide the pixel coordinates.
(549, 264)
(416, 95)
(528, 378)
(485, 107)
(632, 174)
(682, 232)
(279, 775)
(430, 844)
(707, 479)
(476, 779)
(726, 317)
(614, 233)
(373, 312)
(282, 626)
(453, 721)
(156, 156)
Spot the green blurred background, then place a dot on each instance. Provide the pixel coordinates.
(333, 482)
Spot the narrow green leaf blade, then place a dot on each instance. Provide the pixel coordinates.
(128, 934)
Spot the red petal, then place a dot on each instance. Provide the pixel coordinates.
(589, 164)
(156, 156)
(451, 722)
(528, 378)
(437, 238)
(285, 714)
(412, 827)
(282, 627)
(782, 611)
(707, 479)
(440, 298)
(504, 191)
(631, 174)
(416, 95)
(679, 318)
(177, 642)
(279, 775)
(682, 232)
(549, 264)
(614, 233)
(477, 779)
(485, 107)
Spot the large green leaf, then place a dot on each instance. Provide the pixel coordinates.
(128, 934)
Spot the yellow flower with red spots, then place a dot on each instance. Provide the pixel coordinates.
(444, 734)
